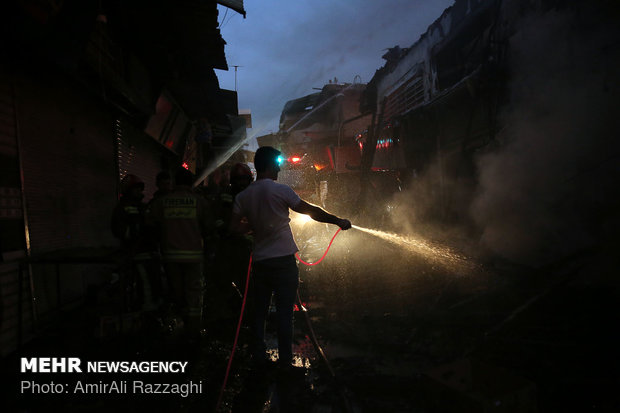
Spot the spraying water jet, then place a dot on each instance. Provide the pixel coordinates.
(437, 253)
(341, 93)
(223, 157)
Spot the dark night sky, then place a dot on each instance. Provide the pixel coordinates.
(286, 48)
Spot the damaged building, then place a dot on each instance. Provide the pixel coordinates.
(430, 113)
(317, 133)
(478, 168)
(91, 91)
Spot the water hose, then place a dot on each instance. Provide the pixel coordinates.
(313, 337)
(315, 342)
(324, 254)
(317, 347)
(232, 352)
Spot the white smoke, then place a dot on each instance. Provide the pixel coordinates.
(549, 189)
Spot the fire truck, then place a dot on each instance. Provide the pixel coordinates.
(426, 117)
(416, 125)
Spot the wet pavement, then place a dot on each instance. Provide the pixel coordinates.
(402, 331)
(538, 339)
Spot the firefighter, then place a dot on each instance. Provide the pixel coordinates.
(240, 178)
(128, 225)
(182, 220)
(163, 181)
(233, 250)
(265, 204)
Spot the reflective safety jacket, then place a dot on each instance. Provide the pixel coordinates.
(183, 220)
(128, 226)
(220, 205)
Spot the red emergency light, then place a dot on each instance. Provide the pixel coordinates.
(185, 165)
(294, 159)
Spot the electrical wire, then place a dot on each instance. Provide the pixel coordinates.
(224, 18)
(228, 21)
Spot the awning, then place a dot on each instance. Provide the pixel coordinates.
(236, 5)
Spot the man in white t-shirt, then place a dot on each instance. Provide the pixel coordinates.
(265, 204)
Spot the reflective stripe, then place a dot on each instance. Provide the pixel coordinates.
(175, 258)
(143, 256)
(176, 202)
(131, 209)
(180, 212)
(182, 255)
(183, 252)
(191, 311)
(226, 198)
(219, 223)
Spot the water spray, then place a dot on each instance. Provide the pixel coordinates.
(341, 93)
(436, 253)
(419, 246)
(219, 161)
(440, 254)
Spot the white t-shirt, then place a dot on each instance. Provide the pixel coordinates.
(265, 203)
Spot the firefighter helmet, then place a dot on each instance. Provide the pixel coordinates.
(129, 182)
(239, 170)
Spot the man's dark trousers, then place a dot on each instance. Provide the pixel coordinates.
(279, 275)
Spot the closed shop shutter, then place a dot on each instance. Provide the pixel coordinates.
(69, 183)
(12, 238)
(68, 165)
(140, 155)
(11, 221)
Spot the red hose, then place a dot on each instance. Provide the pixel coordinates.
(245, 296)
(232, 353)
(324, 254)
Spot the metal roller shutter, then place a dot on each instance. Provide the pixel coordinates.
(140, 155)
(12, 238)
(68, 165)
(11, 216)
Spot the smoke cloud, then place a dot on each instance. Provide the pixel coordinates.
(551, 187)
